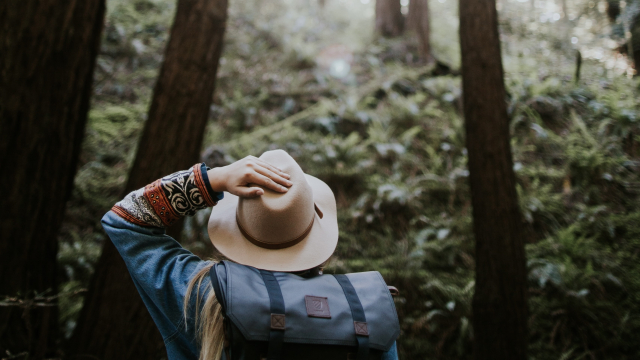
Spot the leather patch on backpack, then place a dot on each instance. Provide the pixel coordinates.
(317, 306)
(277, 322)
(361, 328)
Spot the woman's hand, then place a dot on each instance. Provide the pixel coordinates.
(241, 177)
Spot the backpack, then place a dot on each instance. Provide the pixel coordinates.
(283, 316)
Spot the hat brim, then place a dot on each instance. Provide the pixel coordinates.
(312, 251)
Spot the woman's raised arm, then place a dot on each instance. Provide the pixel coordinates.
(160, 267)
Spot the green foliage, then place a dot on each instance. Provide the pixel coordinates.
(389, 140)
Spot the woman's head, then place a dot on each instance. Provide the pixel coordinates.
(292, 231)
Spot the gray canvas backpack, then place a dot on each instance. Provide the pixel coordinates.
(276, 315)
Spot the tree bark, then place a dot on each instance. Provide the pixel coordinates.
(418, 22)
(48, 51)
(114, 323)
(576, 77)
(613, 10)
(634, 43)
(500, 300)
(389, 18)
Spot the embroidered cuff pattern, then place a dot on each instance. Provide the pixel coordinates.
(168, 199)
(136, 209)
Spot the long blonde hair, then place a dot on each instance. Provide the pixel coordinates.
(208, 320)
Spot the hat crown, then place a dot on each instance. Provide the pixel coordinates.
(279, 218)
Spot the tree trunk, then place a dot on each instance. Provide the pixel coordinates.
(389, 18)
(566, 26)
(114, 323)
(576, 77)
(613, 10)
(565, 11)
(634, 43)
(48, 51)
(418, 21)
(499, 303)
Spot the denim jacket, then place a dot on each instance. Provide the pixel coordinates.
(160, 267)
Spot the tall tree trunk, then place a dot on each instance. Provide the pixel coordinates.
(613, 10)
(499, 303)
(48, 51)
(114, 323)
(634, 43)
(418, 22)
(389, 18)
(565, 11)
(566, 27)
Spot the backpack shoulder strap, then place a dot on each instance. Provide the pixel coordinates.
(215, 284)
(357, 313)
(278, 325)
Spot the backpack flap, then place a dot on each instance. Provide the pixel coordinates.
(316, 309)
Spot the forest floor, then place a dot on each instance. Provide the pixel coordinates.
(385, 131)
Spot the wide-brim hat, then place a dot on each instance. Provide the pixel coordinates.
(292, 231)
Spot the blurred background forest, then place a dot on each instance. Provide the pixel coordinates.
(382, 124)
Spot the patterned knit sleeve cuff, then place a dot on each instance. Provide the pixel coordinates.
(166, 200)
(136, 209)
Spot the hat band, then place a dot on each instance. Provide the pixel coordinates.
(274, 246)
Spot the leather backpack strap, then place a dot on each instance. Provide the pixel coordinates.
(215, 284)
(357, 313)
(278, 325)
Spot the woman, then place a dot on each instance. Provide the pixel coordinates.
(264, 201)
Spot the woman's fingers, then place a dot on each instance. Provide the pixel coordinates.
(273, 176)
(252, 171)
(260, 179)
(249, 192)
(270, 167)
